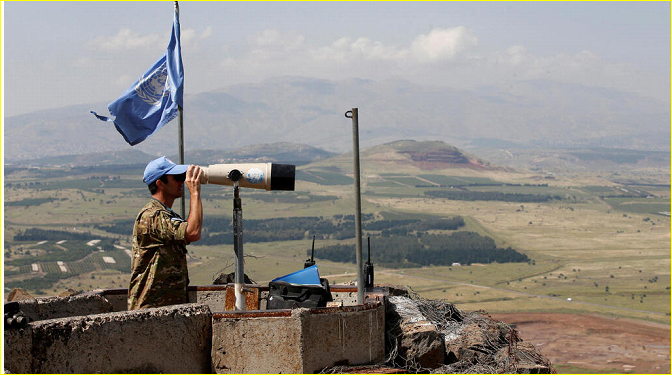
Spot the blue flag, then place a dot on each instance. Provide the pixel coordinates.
(152, 101)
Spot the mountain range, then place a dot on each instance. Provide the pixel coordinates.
(311, 111)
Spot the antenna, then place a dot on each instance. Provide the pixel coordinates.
(368, 268)
(310, 262)
(312, 250)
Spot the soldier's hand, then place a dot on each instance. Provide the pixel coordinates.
(193, 179)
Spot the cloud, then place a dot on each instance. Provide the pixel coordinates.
(275, 40)
(349, 50)
(191, 39)
(126, 39)
(517, 59)
(444, 56)
(442, 44)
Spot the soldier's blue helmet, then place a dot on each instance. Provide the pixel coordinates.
(158, 167)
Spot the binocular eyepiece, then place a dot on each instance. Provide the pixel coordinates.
(267, 176)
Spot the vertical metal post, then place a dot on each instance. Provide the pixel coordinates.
(354, 115)
(238, 248)
(180, 138)
(180, 141)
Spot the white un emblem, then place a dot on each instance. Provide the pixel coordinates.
(154, 86)
(255, 175)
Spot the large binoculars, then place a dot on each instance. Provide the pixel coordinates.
(268, 176)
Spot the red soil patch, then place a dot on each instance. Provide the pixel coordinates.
(596, 343)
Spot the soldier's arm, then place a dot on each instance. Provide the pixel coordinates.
(195, 219)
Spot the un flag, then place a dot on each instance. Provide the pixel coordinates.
(153, 100)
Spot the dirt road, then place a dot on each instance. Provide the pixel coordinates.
(586, 343)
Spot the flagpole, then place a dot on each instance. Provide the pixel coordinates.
(180, 141)
(180, 138)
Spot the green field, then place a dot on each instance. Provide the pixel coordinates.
(603, 245)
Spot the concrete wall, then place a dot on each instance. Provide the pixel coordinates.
(173, 339)
(299, 340)
(258, 343)
(114, 300)
(347, 335)
(94, 333)
(61, 307)
(212, 295)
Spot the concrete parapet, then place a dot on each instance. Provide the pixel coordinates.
(257, 342)
(298, 341)
(94, 333)
(61, 307)
(173, 339)
(351, 335)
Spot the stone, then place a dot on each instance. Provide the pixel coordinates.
(68, 293)
(18, 294)
(417, 341)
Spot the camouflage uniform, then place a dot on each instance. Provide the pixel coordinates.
(159, 275)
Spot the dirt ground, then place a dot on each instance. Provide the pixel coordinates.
(578, 343)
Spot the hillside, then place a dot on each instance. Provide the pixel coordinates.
(311, 111)
(427, 155)
(282, 152)
(406, 155)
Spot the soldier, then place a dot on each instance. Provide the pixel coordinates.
(159, 275)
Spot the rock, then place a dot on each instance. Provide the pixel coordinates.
(68, 293)
(18, 294)
(417, 342)
(422, 344)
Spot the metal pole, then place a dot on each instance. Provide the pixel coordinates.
(238, 248)
(180, 141)
(180, 137)
(353, 114)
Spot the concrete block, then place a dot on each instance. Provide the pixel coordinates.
(117, 297)
(213, 296)
(173, 339)
(298, 341)
(342, 335)
(263, 343)
(61, 307)
(17, 347)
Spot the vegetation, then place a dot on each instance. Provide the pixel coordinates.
(37, 234)
(324, 177)
(123, 227)
(466, 195)
(218, 230)
(427, 249)
(31, 202)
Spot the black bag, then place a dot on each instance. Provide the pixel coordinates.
(283, 295)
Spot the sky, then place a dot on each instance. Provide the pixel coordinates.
(56, 54)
